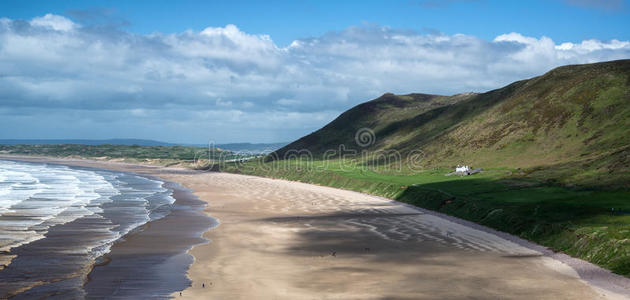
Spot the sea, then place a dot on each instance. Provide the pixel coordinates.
(58, 225)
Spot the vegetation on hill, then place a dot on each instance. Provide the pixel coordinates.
(555, 151)
(574, 122)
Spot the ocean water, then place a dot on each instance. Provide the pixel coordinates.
(57, 222)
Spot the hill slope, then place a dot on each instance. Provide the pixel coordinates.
(572, 123)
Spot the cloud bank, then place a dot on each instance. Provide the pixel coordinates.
(60, 79)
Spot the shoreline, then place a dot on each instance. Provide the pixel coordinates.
(102, 275)
(135, 256)
(604, 282)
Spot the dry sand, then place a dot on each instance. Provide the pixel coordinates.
(289, 240)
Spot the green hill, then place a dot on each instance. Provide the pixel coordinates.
(572, 123)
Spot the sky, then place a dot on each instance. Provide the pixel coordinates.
(271, 71)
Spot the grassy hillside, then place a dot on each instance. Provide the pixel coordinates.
(385, 115)
(555, 150)
(572, 123)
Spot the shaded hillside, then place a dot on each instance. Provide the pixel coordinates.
(382, 115)
(573, 123)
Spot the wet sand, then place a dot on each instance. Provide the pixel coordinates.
(288, 240)
(150, 264)
(151, 261)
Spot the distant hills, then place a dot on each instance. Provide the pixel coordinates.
(234, 147)
(127, 142)
(572, 122)
(251, 147)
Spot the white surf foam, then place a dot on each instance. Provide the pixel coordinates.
(35, 197)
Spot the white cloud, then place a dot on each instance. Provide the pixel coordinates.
(54, 22)
(593, 45)
(51, 65)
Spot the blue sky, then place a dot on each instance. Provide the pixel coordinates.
(267, 71)
(286, 21)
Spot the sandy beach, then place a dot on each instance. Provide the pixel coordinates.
(288, 240)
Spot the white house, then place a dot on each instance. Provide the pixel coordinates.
(462, 169)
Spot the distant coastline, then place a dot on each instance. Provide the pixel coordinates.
(234, 147)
